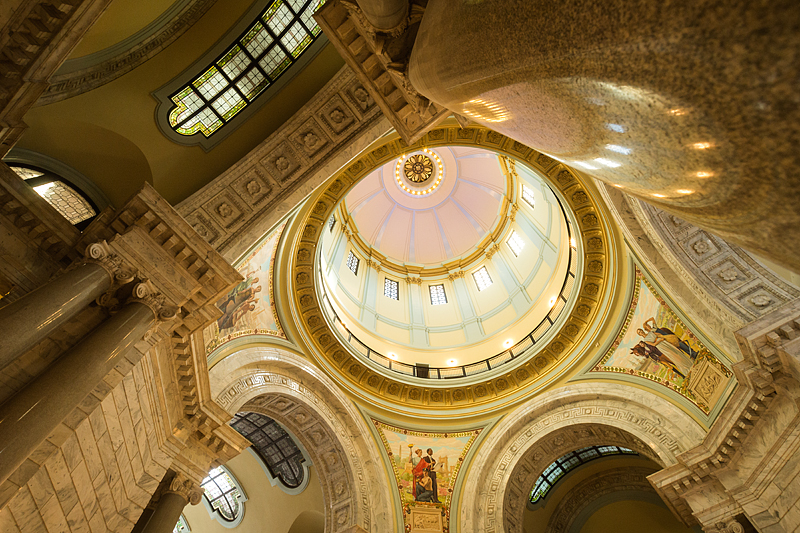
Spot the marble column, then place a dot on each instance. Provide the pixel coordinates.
(37, 314)
(27, 418)
(385, 15)
(686, 105)
(170, 505)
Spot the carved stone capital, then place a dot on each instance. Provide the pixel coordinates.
(411, 280)
(186, 488)
(146, 293)
(373, 264)
(730, 525)
(491, 250)
(100, 253)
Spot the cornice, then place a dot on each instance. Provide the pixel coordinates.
(83, 74)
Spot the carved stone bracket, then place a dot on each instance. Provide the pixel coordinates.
(380, 60)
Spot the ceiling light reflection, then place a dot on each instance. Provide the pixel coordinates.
(607, 162)
(704, 174)
(619, 128)
(585, 165)
(684, 191)
(702, 145)
(619, 149)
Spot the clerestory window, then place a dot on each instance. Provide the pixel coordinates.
(223, 496)
(557, 469)
(220, 89)
(274, 446)
(63, 196)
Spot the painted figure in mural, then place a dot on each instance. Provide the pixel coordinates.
(424, 488)
(240, 301)
(661, 342)
(421, 467)
(668, 335)
(643, 349)
(432, 462)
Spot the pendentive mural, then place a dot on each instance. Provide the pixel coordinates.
(426, 466)
(249, 309)
(656, 345)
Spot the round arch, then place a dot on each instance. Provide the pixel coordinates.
(290, 390)
(544, 428)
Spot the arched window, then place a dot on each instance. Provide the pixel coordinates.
(221, 88)
(277, 449)
(64, 196)
(570, 461)
(182, 526)
(223, 497)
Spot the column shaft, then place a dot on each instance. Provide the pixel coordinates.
(27, 418)
(37, 314)
(168, 511)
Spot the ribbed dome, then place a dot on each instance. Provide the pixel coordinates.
(394, 215)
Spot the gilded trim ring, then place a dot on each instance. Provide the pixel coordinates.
(594, 251)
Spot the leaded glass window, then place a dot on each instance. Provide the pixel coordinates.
(481, 277)
(276, 448)
(557, 469)
(352, 263)
(527, 195)
(516, 243)
(438, 297)
(258, 57)
(62, 196)
(182, 526)
(222, 494)
(391, 289)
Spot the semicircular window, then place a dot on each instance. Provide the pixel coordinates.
(63, 196)
(274, 446)
(223, 494)
(558, 468)
(256, 59)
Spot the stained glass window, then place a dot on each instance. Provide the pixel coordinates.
(565, 463)
(222, 493)
(481, 277)
(260, 55)
(182, 526)
(516, 243)
(391, 289)
(63, 197)
(527, 195)
(438, 297)
(331, 222)
(274, 445)
(352, 263)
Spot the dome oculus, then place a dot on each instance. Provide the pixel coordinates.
(418, 169)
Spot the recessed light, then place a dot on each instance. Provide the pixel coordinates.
(452, 362)
(684, 191)
(508, 343)
(704, 174)
(702, 145)
(658, 195)
(392, 355)
(552, 301)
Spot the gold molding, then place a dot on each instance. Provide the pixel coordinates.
(443, 396)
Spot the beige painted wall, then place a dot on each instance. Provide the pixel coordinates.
(268, 509)
(624, 516)
(633, 517)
